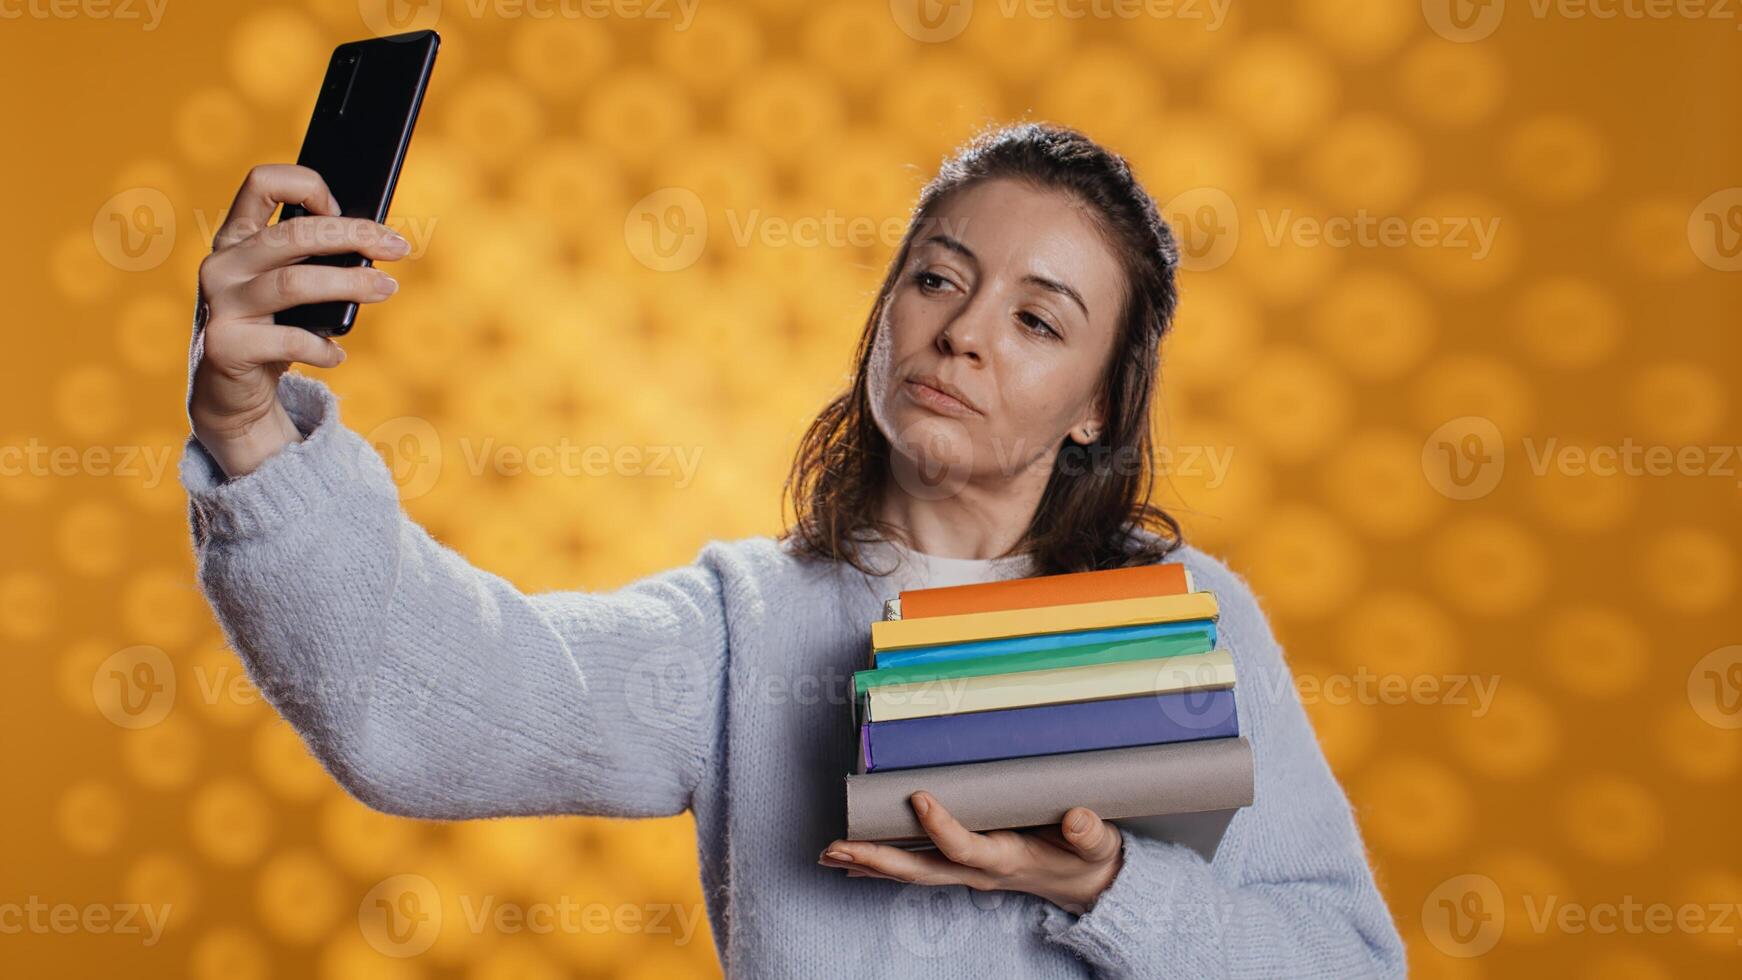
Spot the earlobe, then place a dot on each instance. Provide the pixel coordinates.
(1089, 429)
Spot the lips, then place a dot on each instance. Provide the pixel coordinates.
(939, 395)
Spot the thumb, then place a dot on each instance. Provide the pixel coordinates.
(1091, 837)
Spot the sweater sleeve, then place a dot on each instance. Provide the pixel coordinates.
(1289, 893)
(430, 688)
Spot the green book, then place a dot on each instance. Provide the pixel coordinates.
(1171, 645)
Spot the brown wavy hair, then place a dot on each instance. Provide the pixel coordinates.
(1092, 514)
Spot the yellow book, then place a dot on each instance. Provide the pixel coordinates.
(900, 634)
(1059, 685)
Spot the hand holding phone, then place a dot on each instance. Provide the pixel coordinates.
(254, 271)
(357, 141)
(311, 269)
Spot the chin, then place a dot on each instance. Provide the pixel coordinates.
(932, 455)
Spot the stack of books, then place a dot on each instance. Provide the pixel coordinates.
(1012, 702)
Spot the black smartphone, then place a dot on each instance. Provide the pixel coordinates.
(357, 141)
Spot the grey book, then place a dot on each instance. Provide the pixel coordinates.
(1184, 792)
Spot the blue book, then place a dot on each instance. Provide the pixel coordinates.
(1048, 641)
(1081, 726)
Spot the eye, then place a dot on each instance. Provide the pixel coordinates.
(1037, 323)
(928, 281)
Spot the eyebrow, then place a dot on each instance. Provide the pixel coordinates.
(1052, 285)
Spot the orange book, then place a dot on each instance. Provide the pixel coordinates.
(1047, 590)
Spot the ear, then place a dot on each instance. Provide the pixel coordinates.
(1086, 431)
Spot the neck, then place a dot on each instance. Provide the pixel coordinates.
(977, 521)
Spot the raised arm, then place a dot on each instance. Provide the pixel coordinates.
(1289, 893)
(426, 686)
(431, 688)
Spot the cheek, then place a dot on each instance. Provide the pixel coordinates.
(900, 335)
(1042, 394)
(906, 324)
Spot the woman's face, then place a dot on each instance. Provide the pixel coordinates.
(995, 339)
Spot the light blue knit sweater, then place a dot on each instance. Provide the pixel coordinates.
(433, 689)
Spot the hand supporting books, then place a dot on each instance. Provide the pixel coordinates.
(1070, 865)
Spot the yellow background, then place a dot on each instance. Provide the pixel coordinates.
(539, 309)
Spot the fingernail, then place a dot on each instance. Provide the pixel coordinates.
(333, 203)
(921, 804)
(385, 284)
(341, 350)
(396, 243)
(1079, 823)
(836, 854)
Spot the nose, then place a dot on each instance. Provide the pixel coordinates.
(966, 333)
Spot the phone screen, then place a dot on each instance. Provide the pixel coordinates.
(357, 141)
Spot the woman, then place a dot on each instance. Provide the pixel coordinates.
(997, 425)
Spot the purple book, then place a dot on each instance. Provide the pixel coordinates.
(1081, 726)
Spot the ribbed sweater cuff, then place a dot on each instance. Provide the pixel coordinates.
(332, 463)
(1162, 913)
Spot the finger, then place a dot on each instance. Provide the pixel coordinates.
(918, 867)
(954, 841)
(266, 187)
(1090, 836)
(271, 343)
(294, 285)
(290, 241)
